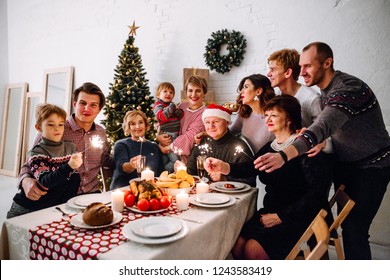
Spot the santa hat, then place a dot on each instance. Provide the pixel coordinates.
(214, 110)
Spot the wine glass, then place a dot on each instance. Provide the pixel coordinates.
(200, 165)
(141, 165)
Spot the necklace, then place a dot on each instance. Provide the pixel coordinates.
(281, 146)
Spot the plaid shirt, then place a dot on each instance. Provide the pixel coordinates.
(93, 158)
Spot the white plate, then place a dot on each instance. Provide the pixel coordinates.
(82, 201)
(230, 186)
(219, 186)
(156, 227)
(212, 198)
(193, 201)
(77, 221)
(129, 234)
(136, 210)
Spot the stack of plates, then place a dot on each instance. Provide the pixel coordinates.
(155, 230)
(212, 200)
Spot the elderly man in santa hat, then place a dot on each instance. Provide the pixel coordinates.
(220, 143)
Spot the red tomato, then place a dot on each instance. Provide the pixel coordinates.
(143, 204)
(154, 204)
(126, 192)
(165, 202)
(130, 200)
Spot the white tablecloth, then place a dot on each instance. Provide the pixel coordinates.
(213, 239)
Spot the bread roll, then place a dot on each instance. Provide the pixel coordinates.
(97, 214)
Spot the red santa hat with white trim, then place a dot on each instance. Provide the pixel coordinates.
(214, 110)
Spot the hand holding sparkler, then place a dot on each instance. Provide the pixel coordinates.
(95, 142)
(76, 160)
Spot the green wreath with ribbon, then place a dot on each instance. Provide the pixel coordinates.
(235, 45)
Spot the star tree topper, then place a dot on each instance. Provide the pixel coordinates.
(133, 29)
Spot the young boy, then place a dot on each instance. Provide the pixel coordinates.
(53, 163)
(168, 116)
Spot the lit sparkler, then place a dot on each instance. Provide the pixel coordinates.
(95, 142)
(141, 139)
(239, 150)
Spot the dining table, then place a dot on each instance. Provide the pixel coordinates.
(210, 233)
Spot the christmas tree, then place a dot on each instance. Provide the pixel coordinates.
(130, 91)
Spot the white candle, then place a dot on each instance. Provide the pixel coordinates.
(117, 201)
(202, 187)
(147, 175)
(182, 201)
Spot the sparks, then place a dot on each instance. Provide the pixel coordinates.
(239, 150)
(95, 142)
(141, 139)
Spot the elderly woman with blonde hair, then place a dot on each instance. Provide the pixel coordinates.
(128, 151)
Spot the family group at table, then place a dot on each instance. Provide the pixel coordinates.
(298, 143)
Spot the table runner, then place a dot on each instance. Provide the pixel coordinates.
(59, 240)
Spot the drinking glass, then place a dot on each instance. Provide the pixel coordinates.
(200, 165)
(141, 165)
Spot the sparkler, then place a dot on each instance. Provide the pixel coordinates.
(239, 150)
(204, 149)
(95, 142)
(177, 151)
(141, 139)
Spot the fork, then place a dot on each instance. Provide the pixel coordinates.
(64, 214)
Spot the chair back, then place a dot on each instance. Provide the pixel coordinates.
(344, 206)
(106, 173)
(320, 230)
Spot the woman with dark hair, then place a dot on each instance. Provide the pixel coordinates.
(254, 93)
(128, 151)
(294, 193)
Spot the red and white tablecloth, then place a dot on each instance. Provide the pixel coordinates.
(59, 240)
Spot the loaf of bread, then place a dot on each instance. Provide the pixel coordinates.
(97, 214)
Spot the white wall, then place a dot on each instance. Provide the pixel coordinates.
(90, 34)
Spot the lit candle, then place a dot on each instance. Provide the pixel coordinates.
(182, 201)
(202, 187)
(147, 175)
(117, 201)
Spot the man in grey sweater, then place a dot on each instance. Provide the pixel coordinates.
(353, 118)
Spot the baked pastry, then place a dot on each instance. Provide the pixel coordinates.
(97, 214)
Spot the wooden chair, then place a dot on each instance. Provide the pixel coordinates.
(345, 205)
(320, 230)
(106, 174)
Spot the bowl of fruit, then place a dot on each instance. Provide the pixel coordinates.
(146, 197)
(175, 183)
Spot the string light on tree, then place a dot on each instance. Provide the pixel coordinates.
(129, 91)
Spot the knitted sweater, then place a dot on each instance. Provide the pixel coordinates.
(168, 116)
(223, 149)
(48, 162)
(127, 148)
(353, 118)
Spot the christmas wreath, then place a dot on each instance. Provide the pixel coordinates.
(236, 44)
